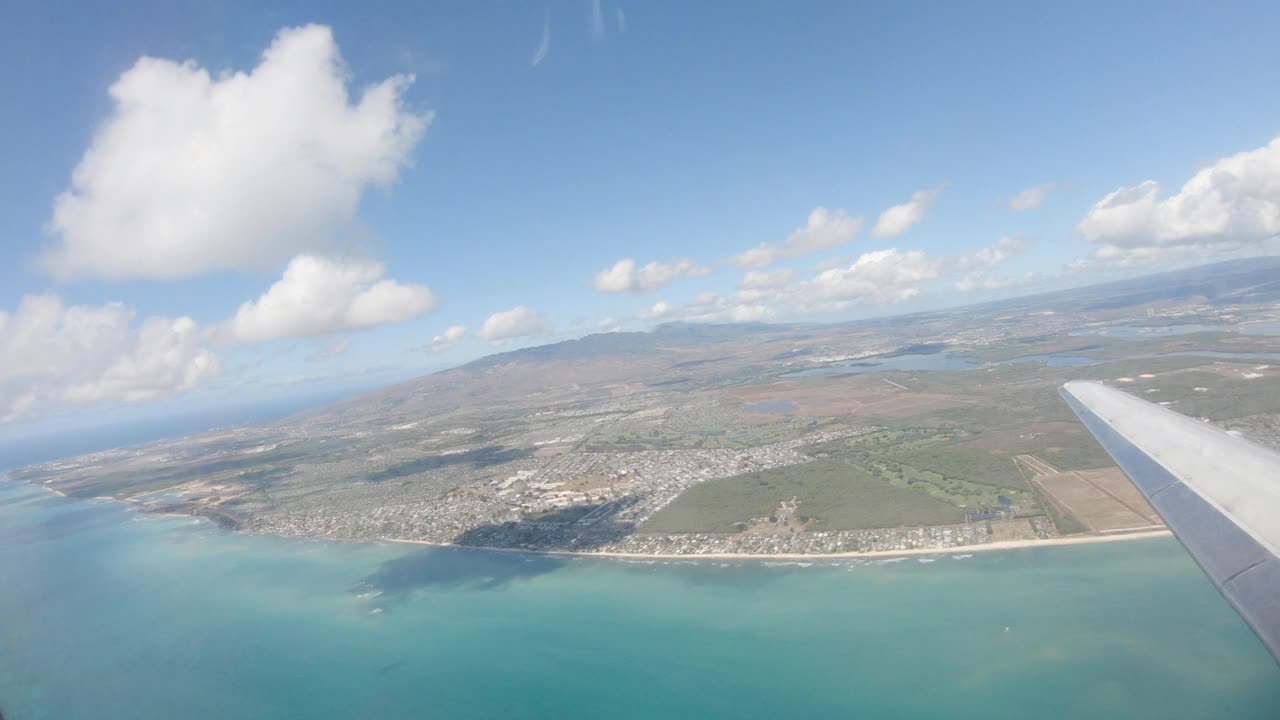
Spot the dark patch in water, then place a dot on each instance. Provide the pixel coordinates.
(558, 530)
(458, 567)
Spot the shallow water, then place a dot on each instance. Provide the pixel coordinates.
(105, 613)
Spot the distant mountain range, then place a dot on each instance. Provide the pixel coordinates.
(1251, 280)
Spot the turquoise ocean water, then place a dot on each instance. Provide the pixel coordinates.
(105, 613)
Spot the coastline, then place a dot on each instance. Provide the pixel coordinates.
(853, 555)
(959, 549)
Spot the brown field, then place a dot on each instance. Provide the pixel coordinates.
(1019, 529)
(1010, 440)
(1114, 483)
(1103, 500)
(907, 404)
(854, 397)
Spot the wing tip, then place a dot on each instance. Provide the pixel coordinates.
(1072, 386)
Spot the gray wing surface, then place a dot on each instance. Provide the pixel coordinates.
(1220, 494)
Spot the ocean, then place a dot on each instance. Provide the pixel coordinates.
(107, 613)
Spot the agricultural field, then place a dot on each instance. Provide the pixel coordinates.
(832, 494)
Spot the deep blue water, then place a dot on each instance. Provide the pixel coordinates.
(105, 613)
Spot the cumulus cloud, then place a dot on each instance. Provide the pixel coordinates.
(873, 278)
(1031, 198)
(544, 45)
(899, 218)
(709, 307)
(1232, 204)
(833, 262)
(766, 279)
(625, 276)
(53, 355)
(881, 276)
(448, 338)
(977, 265)
(824, 229)
(1005, 248)
(318, 296)
(519, 321)
(196, 171)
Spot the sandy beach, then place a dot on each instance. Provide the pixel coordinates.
(985, 547)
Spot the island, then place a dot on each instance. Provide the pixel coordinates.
(929, 432)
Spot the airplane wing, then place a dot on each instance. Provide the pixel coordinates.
(1220, 494)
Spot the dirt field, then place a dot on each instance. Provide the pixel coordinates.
(1019, 529)
(1104, 500)
(1114, 483)
(853, 397)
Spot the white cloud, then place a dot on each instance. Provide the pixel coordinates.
(622, 20)
(1005, 248)
(448, 338)
(833, 262)
(625, 276)
(544, 45)
(882, 276)
(766, 279)
(330, 351)
(742, 313)
(597, 20)
(318, 296)
(196, 171)
(976, 265)
(824, 229)
(1233, 202)
(899, 218)
(874, 278)
(658, 310)
(53, 355)
(1031, 198)
(709, 307)
(519, 321)
(1115, 260)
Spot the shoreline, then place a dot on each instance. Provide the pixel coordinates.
(852, 555)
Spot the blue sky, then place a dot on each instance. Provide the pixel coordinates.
(660, 132)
